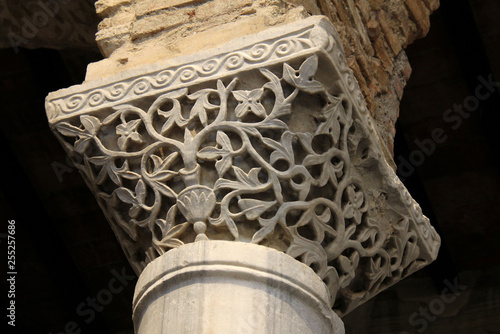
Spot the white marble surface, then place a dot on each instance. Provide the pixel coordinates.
(231, 287)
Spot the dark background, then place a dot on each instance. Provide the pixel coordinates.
(67, 253)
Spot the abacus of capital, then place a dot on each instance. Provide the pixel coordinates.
(246, 184)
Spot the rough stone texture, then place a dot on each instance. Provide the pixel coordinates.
(264, 140)
(56, 24)
(132, 33)
(373, 33)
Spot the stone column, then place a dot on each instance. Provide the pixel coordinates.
(246, 183)
(231, 287)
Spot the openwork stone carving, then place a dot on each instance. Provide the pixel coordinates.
(266, 141)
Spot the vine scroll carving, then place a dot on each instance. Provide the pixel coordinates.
(267, 141)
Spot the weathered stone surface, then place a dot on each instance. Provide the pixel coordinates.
(373, 34)
(385, 28)
(264, 291)
(143, 32)
(134, 33)
(265, 140)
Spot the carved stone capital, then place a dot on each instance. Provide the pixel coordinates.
(266, 140)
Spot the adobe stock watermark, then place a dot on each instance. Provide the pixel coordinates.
(256, 321)
(420, 319)
(453, 116)
(3, 236)
(68, 166)
(89, 308)
(31, 25)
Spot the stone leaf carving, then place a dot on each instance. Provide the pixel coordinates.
(280, 152)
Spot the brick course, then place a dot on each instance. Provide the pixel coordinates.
(374, 34)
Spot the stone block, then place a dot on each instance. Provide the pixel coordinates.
(432, 5)
(374, 29)
(105, 8)
(376, 5)
(389, 35)
(381, 53)
(380, 76)
(152, 6)
(420, 15)
(213, 9)
(364, 10)
(113, 38)
(150, 25)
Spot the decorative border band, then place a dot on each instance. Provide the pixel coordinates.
(310, 35)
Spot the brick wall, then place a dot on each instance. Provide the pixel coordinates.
(132, 33)
(374, 34)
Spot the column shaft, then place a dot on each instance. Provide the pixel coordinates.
(231, 287)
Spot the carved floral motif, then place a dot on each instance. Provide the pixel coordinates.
(278, 156)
